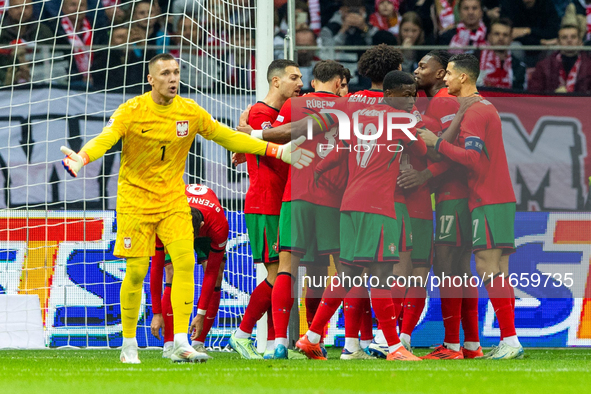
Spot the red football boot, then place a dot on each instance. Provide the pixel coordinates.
(443, 353)
(472, 353)
(312, 350)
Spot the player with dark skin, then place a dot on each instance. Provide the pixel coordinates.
(481, 131)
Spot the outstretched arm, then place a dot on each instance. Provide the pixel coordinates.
(99, 145)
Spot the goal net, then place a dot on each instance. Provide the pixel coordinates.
(65, 66)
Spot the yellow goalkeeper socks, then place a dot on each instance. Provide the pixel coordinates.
(131, 293)
(183, 283)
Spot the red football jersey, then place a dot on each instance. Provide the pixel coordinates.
(452, 184)
(267, 175)
(300, 183)
(215, 227)
(376, 169)
(215, 223)
(364, 98)
(482, 151)
(418, 199)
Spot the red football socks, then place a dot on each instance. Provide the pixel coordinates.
(366, 321)
(260, 302)
(414, 303)
(397, 293)
(270, 326)
(313, 298)
(470, 313)
(451, 308)
(212, 311)
(331, 300)
(385, 311)
(499, 292)
(282, 302)
(167, 314)
(354, 309)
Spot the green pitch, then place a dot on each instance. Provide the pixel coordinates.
(99, 371)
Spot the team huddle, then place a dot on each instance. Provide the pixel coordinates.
(343, 197)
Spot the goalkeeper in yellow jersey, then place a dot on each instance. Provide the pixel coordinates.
(157, 130)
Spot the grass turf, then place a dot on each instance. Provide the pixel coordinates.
(99, 371)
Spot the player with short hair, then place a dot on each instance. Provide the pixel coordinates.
(313, 207)
(452, 218)
(157, 130)
(262, 205)
(370, 224)
(211, 229)
(375, 64)
(491, 197)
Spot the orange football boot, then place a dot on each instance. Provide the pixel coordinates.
(443, 353)
(401, 354)
(312, 350)
(472, 353)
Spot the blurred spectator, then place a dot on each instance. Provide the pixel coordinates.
(348, 27)
(499, 68)
(566, 70)
(314, 12)
(278, 38)
(386, 15)
(437, 15)
(584, 8)
(145, 25)
(192, 8)
(535, 22)
(50, 10)
(199, 69)
(411, 34)
(19, 34)
(19, 72)
(306, 58)
(117, 66)
(113, 11)
(240, 70)
(302, 17)
(76, 30)
(471, 30)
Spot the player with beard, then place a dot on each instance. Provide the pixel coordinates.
(370, 222)
(491, 199)
(452, 241)
(262, 204)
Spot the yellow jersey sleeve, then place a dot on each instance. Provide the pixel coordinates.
(112, 132)
(232, 140)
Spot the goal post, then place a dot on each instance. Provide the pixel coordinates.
(57, 233)
(264, 57)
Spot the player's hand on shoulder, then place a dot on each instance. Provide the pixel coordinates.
(467, 102)
(238, 158)
(243, 121)
(244, 129)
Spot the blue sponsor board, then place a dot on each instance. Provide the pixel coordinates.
(546, 314)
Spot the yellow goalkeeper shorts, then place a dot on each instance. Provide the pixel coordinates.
(136, 233)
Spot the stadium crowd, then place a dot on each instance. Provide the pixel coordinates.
(105, 44)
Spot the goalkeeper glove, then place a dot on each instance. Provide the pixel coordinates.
(291, 154)
(73, 161)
